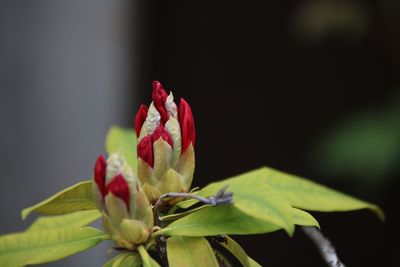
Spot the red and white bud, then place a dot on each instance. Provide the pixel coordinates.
(122, 201)
(165, 144)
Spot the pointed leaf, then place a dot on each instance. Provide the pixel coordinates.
(304, 218)
(123, 139)
(146, 259)
(125, 260)
(44, 246)
(75, 220)
(228, 219)
(256, 199)
(253, 263)
(236, 251)
(300, 193)
(75, 198)
(225, 219)
(190, 252)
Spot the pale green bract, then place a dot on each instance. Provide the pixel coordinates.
(124, 140)
(34, 247)
(74, 198)
(190, 251)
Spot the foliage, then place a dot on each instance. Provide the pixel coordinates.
(265, 200)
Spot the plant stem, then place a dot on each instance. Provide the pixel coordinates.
(324, 246)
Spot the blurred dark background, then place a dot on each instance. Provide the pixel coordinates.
(307, 87)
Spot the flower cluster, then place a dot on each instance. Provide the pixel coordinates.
(166, 137)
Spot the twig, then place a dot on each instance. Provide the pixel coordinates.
(325, 246)
(222, 197)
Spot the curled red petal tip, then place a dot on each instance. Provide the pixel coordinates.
(100, 173)
(145, 150)
(140, 118)
(159, 97)
(161, 132)
(186, 122)
(119, 187)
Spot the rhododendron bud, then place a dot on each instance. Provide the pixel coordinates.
(165, 144)
(126, 211)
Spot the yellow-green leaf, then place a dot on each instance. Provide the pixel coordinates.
(253, 263)
(228, 219)
(190, 252)
(36, 247)
(125, 260)
(236, 250)
(225, 219)
(146, 259)
(308, 195)
(75, 219)
(304, 218)
(256, 199)
(301, 193)
(123, 139)
(75, 198)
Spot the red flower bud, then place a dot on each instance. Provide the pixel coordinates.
(140, 118)
(145, 150)
(119, 188)
(100, 174)
(186, 122)
(159, 97)
(161, 132)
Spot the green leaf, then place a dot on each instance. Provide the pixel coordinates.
(304, 218)
(125, 260)
(256, 199)
(225, 219)
(300, 193)
(75, 198)
(236, 250)
(253, 263)
(36, 247)
(308, 195)
(123, 139)
(75, 219)
(146, 259)
(190, 252)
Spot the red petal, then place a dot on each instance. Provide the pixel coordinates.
(186, 122)
(161, 132)
(100, 173)
(145, 150)
(159, 98)
(140, 118)
(119, 187)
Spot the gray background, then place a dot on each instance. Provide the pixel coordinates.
(63, 79)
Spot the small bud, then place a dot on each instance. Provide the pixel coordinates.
(122, 202)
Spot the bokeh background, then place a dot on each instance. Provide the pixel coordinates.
(308, 87)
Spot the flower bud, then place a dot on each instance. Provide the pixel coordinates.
(126, 212)
(165, 145)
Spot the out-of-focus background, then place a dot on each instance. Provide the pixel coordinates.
(308, 87)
